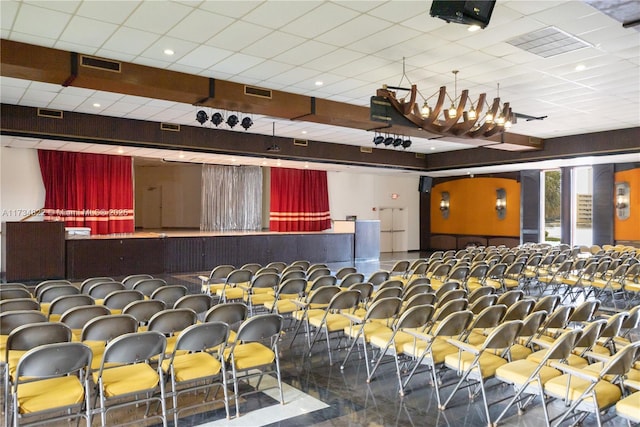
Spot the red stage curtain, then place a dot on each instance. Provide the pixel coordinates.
(299, 200)
(88, 190)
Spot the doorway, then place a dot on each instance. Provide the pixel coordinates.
(393, 229)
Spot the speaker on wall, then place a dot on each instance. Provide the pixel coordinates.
(425, 184)
(471, 12)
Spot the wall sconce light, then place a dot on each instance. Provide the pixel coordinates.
(622, 201)
(501, 203)
(444, 204)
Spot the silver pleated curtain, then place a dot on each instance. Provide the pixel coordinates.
(231, 198)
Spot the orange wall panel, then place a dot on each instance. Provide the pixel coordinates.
(472, 210)
(629, 229)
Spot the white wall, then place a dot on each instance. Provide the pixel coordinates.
(364, 194)
(21, 187)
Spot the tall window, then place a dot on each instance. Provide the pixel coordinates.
(583, 200)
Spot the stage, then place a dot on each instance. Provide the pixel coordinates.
(77, 257)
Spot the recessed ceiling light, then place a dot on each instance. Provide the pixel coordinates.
(473, 28)
(433, 148)
(319, 83)
(233, 159)
(120, 150)
(95, 104)
(169, 52)
(181, 155)
(306, 165)
(304, 132)
(581, 67)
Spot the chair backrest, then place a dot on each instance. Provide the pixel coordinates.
(12, 319)
(622, 361)
(558, 319)
(263, 270)
(420, 269)
(441, 272)
(322, 295)
(203, 336)
(344, 271)
(590, 334)
(220, 272)
(77, 317)
(149, 286)
(292, 267)
(293, 274)
(87, 283)
(292, 287)
(378, 277)
(458, 273)
(563, 345)
(449, 307)
(252, 267)
(303, 263)
(18, 304)
(322, 281)
(172, 320)
(52, 360)
(351, 278)
(260, 327)
(417, 289)
(400, 267)
(344, 300)
(446, 287)
(385, 308)
(490, 317)
(101, 289)
(415, 317)
(318, 272)
(131, 280)
(483, 302)
(53, 292)
(105, 328)
(519, 310)
(46, 284)
(547, 303)
(366, 290)
(632, 321)
(144, 309)
(510, 297)
(170, 294)
(481, 292)
(134, 348)
(266, 280)
(65, 302)
(454, 324)
(117, 300)
(428, 298)
(14, 293)
(450, 295)
(614, 324)
(230, 313)
(585, 311)
(503, 335)
(278, 265)
(239, 276)
(200, 303)
(31, 335)
(390, 283)
(532, 323)
(394, 291)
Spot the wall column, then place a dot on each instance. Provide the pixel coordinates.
(602, 209)
(530, 206)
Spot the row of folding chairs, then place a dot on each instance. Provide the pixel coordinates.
(120, 356)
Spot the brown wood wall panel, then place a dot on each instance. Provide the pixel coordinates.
(33, 251)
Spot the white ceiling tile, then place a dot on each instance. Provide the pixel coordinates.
(388, 37)
(204, 57)
(275, 14)
(40, 22)
(199, 26)
(8, 13)
(273, 44)
(69, 6)
(334, 59)
(179, 47)
(232, 8)
(307, 51)
(152, 17)
(349, 32)
(324, 18)
(116, 55)
(92, 32)
(108, 11)
(238, 35)
(236, 63)
(266, 70)
(130, 41)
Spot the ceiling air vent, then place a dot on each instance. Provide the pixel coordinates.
(366, 150)
(52, 114)
(257, 91)
(100, 64)
(300, 142)
(170, 127)
(420, 156)
(547, 42)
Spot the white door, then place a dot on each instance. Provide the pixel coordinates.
(393, 229)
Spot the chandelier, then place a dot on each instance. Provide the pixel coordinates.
(465, 118)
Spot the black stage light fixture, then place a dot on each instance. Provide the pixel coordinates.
(378, 139)
(397, 142)
(246, 123)
(406, 143)
(201, 117)
(388, 140)
(232, 120)
(217, 118)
